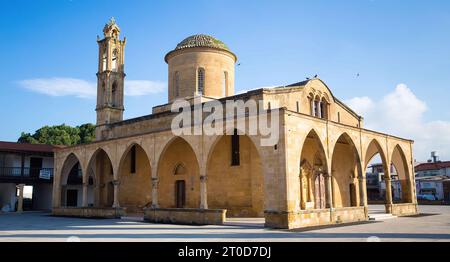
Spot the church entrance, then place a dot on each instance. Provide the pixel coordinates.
(180, 193)
(72, 198)
(319, 192)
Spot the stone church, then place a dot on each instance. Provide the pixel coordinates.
(314, 174)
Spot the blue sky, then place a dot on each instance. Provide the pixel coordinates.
(400, 49)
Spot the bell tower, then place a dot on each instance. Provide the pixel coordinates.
(110, 78)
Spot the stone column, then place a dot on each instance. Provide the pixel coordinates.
(203, 192)
(63, 196)
(319, 109)
(302, 198)
(20, 200)
(388, 183)
(116, 184)
(85, 194)
(97, 186)
(363, 191)
(329, 190)
(155, 182)
(389, 202)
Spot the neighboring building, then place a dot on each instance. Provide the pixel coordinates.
(22, 167)
(434, 167)
(436, 186)
(376, 186)
(314, 175)
(433, 179)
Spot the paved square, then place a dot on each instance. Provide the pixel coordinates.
(432, 225)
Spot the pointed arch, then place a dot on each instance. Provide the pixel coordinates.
(374, 148)
(179, 169)
(313, 134)
(71, 181)
(135, 176)
(313, 169)
(102, 168)
(71, 160)
(398, 160)
(181, 190)
(237, 188)
(211, 144)
(346, 170)
(373, 178)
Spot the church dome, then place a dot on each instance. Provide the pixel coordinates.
(202, 41)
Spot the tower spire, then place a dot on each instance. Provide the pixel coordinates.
(110, 78)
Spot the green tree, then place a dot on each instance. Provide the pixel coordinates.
(60, 135)
(87, 133)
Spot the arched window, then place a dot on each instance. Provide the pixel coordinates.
(104, 59)
(176, 84)
(235, 151)
(200, 81)
(225, 83)
(316, 108)
(114, 60)
(324, 109)
(113, 93)
(321, 113)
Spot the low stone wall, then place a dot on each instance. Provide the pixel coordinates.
(88, 212)
(187, 216)
(318, 217)
(406, 209)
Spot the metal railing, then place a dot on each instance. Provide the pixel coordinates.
(25, 172)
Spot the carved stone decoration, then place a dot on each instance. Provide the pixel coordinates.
(305, 183)
(155, 182)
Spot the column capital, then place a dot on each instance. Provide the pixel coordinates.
(203, 178)
(116, 182)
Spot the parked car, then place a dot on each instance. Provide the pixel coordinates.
(426, 197)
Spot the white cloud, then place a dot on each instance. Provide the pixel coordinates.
(60, 86)
(143, 87)
(362, 105)
(401, 113)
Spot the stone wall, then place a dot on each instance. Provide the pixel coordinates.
(185, 216)
(406, 209)
(89, 212)
(310, 218)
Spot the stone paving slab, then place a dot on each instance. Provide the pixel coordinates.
(432, 225)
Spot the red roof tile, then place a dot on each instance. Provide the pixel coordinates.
(11, 146)
(433, 166)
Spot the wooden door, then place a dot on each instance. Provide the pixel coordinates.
(180, 193)
(319, 192)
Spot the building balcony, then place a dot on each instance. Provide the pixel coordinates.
(26, 174)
